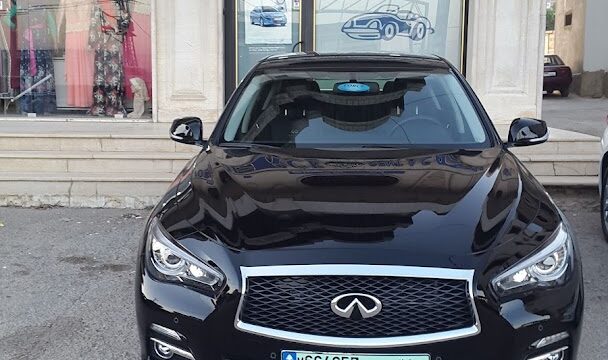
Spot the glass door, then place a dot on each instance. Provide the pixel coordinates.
(423, 27)
(265, 27)
(255, 29)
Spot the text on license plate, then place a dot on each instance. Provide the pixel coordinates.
(550, 73)
(304, 355)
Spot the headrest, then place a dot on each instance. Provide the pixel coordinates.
(411, 84)
(300, 84)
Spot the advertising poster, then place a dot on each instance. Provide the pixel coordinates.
(404, 26)
(268, 22)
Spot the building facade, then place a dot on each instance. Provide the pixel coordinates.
(88, 99)
(579, 29)
(94, 60)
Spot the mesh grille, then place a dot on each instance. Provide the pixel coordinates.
(410, 306)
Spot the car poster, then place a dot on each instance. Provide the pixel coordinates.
(268, 22)
(403, 26)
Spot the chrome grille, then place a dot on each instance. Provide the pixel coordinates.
(418, 304)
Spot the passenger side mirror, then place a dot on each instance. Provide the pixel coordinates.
(188, 130)
(526, 132)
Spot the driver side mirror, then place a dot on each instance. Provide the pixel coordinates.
(526, 132)
(188, 130)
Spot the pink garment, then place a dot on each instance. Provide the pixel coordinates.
(138, 52)
(79, 58)
(29, 35)
(79, 68)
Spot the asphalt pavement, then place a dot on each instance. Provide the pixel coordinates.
(574, 113)
(66, 280)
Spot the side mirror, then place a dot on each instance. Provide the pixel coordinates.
(526, 132)
(188, 130)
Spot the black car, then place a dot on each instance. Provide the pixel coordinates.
(357, 207)
(556, 76)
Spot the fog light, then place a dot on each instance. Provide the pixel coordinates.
(163, 351)
(559, 354)
(166, 351)
(550, 340)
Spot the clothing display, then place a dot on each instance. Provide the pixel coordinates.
(5, 60)
(36, 40)
(76, 57)
(138, 46)
(79, 57)
(108, 83)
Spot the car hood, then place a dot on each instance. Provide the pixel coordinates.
(403, 204)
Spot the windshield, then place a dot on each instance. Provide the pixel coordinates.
(343, 108)
(553, 60)
(269, 9)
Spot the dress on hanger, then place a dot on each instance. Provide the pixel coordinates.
(36, 57)
(5, 58)
(79, 56)
(105, 40)
(138, 46)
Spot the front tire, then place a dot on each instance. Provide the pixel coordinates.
(389, 31)
(604, 203)
(418, 32)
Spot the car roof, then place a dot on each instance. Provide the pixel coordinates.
(336, 59)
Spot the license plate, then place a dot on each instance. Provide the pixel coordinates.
(305, 355)
(550, 73)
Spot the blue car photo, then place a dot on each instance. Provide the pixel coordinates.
(386, 22)
(268, 16)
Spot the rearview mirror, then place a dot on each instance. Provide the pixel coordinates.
(526, 132)
(188, 130)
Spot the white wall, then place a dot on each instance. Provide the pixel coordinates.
(505, 56)
(189, 74)
(596, 29)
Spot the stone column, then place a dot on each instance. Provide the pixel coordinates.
(505, 56)
(188, 59)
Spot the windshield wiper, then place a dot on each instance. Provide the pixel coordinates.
(248, 145)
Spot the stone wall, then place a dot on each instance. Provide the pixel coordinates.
(570, 40)
(189, 74)
(505, 56)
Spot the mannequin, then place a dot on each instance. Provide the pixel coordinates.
(140, 96)
(138, 45)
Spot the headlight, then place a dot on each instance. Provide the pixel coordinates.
(176, 264)
(543, 268)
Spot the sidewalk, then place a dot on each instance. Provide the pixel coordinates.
(574, 113)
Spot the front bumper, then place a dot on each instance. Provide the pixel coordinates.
(207, 329)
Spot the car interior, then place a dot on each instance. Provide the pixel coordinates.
(299, 111)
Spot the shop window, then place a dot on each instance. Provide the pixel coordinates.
(568, 20)
(76, 58)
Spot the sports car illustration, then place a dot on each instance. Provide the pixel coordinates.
(386, 22)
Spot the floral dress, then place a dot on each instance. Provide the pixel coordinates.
(106, 41)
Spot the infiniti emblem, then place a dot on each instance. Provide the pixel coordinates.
(367, 306)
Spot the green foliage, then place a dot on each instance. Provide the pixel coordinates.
(550, 19)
